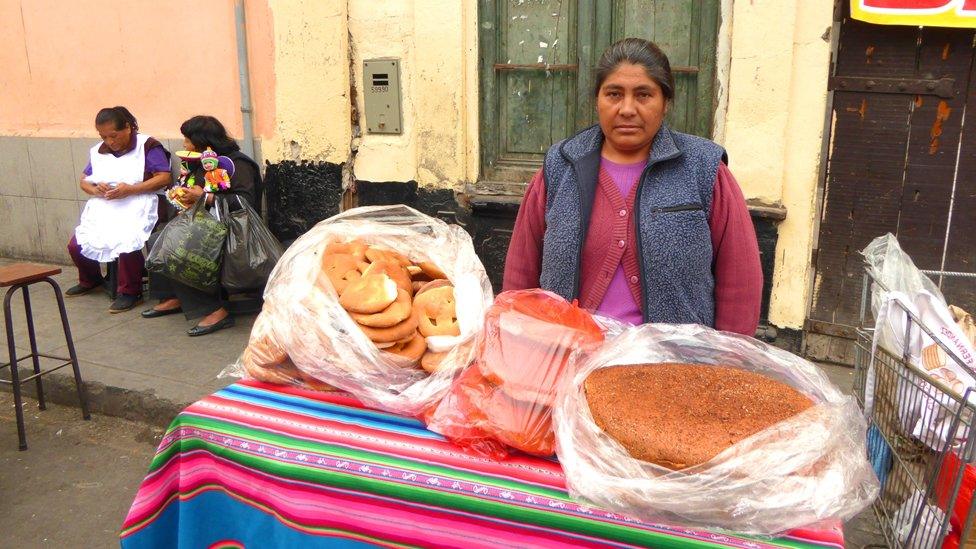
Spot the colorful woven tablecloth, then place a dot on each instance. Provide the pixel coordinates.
(257, 465)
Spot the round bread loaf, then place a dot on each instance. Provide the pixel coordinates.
(681, 415)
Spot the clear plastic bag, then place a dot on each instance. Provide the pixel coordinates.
(903, 289)
(308, 323)
(800, 471)
(893, 268)
(531, 343)
(265, 360)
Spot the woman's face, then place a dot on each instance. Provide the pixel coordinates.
(116, 140)
(188, 145)
(631, 107)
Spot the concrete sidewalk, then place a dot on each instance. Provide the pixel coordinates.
(134, 368)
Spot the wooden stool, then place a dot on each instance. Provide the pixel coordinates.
(18, 277)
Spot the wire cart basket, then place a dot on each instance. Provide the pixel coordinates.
(926, 498)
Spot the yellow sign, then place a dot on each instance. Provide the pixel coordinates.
(925, 13)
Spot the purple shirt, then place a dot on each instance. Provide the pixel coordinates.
(157, 157)
(619, 302)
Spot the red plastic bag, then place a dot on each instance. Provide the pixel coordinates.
(531, 342)
(946, 482)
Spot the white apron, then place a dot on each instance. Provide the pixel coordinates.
(112, 227)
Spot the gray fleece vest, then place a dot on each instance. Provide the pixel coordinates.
(673, 201)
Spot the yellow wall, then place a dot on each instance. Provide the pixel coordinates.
(311, 82)
(62, 62)
(436, 42)
(780, 59)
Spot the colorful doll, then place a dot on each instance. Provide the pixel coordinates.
(187, 178)
(217, 178)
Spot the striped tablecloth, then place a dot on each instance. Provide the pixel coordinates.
(257, 465)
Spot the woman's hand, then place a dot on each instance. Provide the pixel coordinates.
(191, 195)
(121, 190)
(95, 189)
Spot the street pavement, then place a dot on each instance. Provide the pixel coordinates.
(74, 485)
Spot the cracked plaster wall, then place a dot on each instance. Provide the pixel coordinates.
(435, 41)
(780, 57)
(311, 82)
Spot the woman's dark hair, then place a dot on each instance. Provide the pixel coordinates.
(120, 116)
(206, 131)
(640, 52)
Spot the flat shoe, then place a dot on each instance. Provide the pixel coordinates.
(124, 303)
(154, 313)
(198, 330)
(78, 290)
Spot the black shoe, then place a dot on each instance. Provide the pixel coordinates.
(198, 330)
(154, 313)
(79, 289)
(124, 303)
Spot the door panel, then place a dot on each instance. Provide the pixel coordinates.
(537, 77)
(892, 165)
(686, 31)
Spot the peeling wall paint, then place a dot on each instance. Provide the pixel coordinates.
(723, 62)
(774, 129)
(311, 65)
(438, 101)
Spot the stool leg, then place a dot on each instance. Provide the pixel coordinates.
(33, 347)
(14, 374)
(79, 384)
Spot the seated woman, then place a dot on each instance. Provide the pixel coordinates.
(201, 133)
(638, 221)
(124, 173)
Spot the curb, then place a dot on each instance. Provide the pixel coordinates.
(139, 406)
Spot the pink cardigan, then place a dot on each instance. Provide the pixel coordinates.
(736, 267)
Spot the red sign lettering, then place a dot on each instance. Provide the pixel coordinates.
(910, 4)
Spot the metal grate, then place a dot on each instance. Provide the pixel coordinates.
(919, 485)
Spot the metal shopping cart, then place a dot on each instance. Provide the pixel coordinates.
(926, 498)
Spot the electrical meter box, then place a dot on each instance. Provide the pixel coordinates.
(382, 95)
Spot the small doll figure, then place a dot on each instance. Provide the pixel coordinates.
(216, 177)
(187, 178)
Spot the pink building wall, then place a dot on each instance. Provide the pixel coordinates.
(165, 61)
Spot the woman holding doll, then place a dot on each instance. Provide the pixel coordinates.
(213, 164)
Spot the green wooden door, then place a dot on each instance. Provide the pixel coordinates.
(537, 59)
(687, 31)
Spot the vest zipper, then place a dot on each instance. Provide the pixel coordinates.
(582, 234)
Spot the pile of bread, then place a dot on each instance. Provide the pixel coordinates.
(265, 360)
(398, 302)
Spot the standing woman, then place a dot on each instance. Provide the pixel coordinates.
(199, 134)
(636, 220)
(124, 173)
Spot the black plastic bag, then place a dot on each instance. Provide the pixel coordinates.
(189, 249)
(251, 251)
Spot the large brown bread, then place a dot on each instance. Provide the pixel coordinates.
(681, 415)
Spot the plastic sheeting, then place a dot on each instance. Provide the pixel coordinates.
(800, 471)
